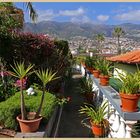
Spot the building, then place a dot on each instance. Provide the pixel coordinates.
(129, 61)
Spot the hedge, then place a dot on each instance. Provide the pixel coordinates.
(10, 108)
(37, 49)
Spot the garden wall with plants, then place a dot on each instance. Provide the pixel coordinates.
(36, 49)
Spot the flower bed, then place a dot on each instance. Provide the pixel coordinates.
(10, 108)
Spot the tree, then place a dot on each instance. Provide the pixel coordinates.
(99, 38)
(10, 5)
(21, 72)
(12, 18)
(45, 76)
(118, 32)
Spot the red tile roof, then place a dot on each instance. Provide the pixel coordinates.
(129, 57)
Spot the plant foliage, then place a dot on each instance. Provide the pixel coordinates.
(10, 108)
(130, 82)
(95, 114)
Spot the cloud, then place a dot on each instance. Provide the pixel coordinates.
(82, 19)
(103, 18)
(78, 12)
(129, 16)
(122, 8)
(46, 15)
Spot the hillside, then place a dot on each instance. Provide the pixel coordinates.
(68, 29)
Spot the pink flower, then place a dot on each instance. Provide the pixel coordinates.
(18, 83)
(68, 99)
(4, 73)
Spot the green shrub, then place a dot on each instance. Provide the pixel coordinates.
(10, 108)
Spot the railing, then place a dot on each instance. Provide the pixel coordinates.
(121, 122)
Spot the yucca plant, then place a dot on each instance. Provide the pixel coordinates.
(95, 114)
(20, 71)
(45, 76)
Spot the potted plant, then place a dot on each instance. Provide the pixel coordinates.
(97, 66)
(89, 63)
(87, 89)
(129, 90)
(29, 122)
(96, 116)
(105, 70)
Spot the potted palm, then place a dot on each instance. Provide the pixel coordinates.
(29, 122)
(129, 90)
(105, 70)
(96, 115)
(87, 89)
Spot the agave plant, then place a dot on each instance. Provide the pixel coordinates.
(95, 114)
(20, 72)
(45, 76)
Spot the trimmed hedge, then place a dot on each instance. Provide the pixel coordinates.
(10, 108)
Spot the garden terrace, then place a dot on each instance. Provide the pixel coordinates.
(107, 93)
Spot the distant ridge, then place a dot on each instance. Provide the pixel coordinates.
(67, 30)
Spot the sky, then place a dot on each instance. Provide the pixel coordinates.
(111, 13)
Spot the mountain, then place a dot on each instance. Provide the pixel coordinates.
(67, 29)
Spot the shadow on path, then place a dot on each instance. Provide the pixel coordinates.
(70, 124)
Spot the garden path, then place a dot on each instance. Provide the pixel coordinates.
(70, 123)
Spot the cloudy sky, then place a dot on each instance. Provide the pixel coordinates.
(86, 12)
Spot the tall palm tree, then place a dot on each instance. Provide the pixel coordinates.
(99, 38)
(118, 32)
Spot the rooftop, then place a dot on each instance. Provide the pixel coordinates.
(132, 57)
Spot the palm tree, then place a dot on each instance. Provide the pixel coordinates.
(99, 38)
(20, 72)
(45, 76)
(32, 12)
(118, 32)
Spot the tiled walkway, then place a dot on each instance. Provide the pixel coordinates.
(70, 124)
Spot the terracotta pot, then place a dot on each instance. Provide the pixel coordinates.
(98, 130)
(104, 80)
(90, 69)
(129, 102)
(96, 73)
(27, 126)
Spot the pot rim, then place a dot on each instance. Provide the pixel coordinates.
(104, 76)
(129, 95)
(96, 71)
(37, 119)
